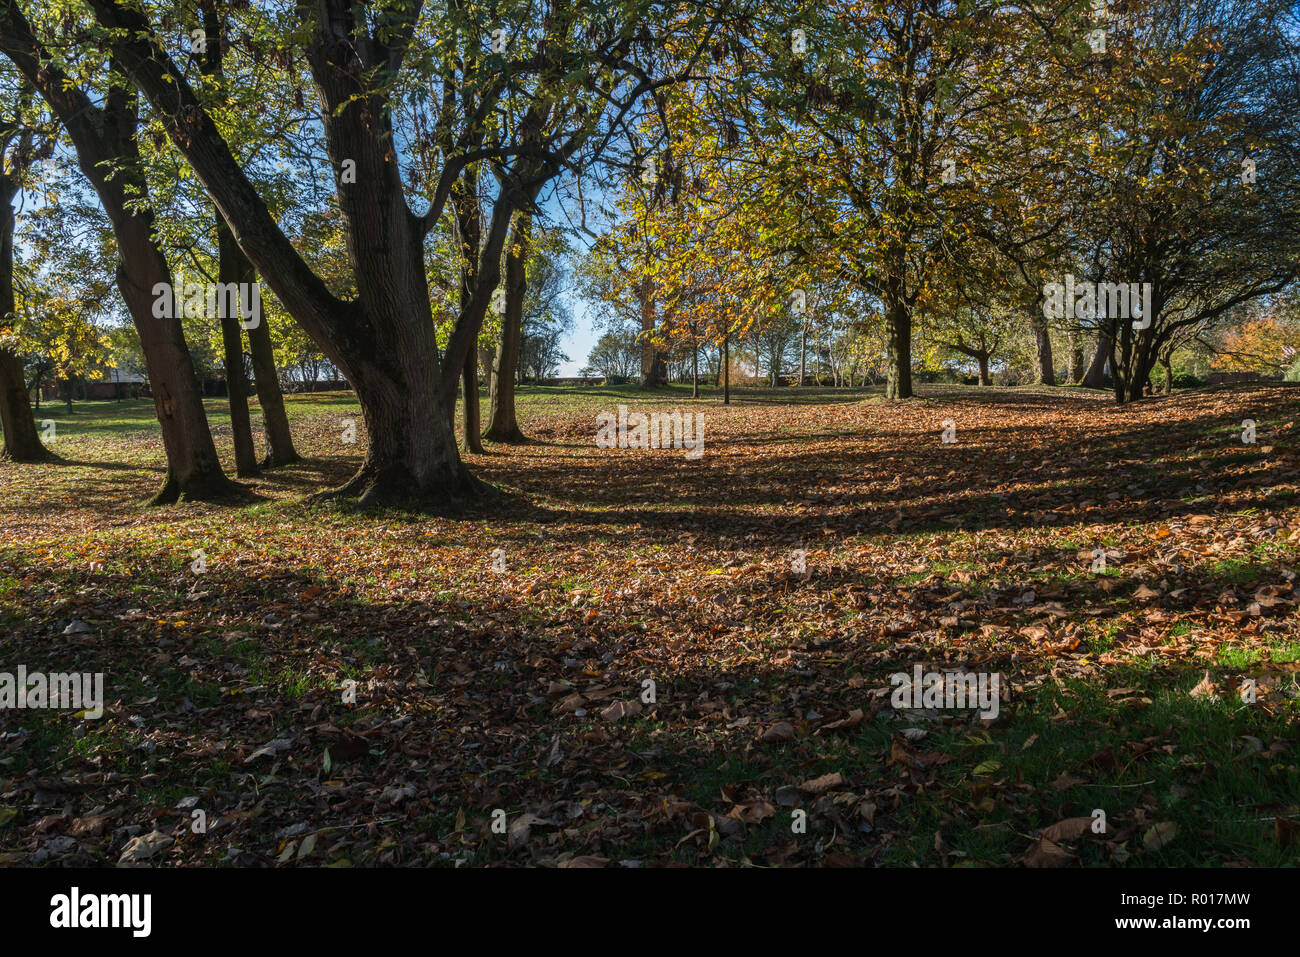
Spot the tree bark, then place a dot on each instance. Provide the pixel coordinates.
(726, 368)
(898, 348)
(1095, 377)
(22, 442)
(1046, 372)
(1076, 369)
(803, 353)
(469, 236)
(502, 425)
(275, 419)
(229, 271)
(652, 360)
(469, 385)
(193, 469)
(983, 360)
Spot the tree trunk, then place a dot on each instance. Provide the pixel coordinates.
(652, 361)
(1167, 362)
(1095, 377)
(1140, 385)
(983, 361)
(1145, 358)
(503, 425)
(726, 368)
(898, 349)
(1076, 370)
(803, 353)
(469, 237)
(1046, 372)
(653, 371)
(412, 449)
(237, 398)
(229, 271)
(469, 383)
(22, 442)
(275, 420)
(193, 468)
(695, 372)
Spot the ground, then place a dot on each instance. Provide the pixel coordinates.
(1126, 572)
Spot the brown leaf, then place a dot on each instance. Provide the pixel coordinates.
(1285, 831)
(1069, 829)
(1160, 835)
(752, 812)
(1205, 688)
(781, 731)
(521, 827)
(621, 709)
(823, 783)
(1047, 853)
(1067, 781)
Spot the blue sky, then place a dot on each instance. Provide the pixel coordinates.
(555, 204)
(579, 345)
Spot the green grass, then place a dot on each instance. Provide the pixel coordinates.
(384, 597)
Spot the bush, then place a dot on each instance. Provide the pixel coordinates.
(1185, 380)
(1293, 373)
(616, 380)
(1013, 376)
(945, 375)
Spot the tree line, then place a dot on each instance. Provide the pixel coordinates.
(868, 175)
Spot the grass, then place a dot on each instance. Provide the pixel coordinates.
(625, 566)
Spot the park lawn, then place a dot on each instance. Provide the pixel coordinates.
(226, 635)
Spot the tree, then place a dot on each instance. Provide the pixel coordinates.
(523, 106)
(616, 354)
(503, 426)
(234, 267)
(52, 323)
(22, 443)
(1262, 338)
(1194, 180)
(104, 137)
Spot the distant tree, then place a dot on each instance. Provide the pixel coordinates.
(547, 319)
(1263, 338)
(616, 353)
